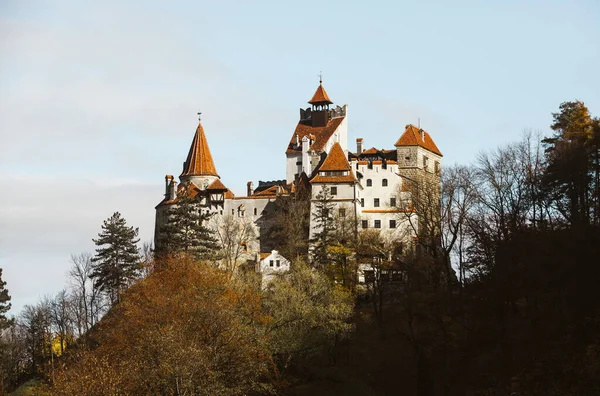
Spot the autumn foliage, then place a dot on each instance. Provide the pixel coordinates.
(187, 329)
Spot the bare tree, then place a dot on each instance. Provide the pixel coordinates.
(234, 234)
(61, 318)
(88, 304)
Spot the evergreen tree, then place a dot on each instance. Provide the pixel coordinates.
(324, 224)
(185, 230)
(4, 304)
(573, 171)
(117, 259)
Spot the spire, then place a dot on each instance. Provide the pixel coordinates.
(320, 97)
(199, 161)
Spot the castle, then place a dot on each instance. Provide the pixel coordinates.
(369, 185)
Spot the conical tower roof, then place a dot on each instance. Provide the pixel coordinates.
(199, 161)
(320, 96)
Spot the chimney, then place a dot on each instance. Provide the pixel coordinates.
(305, 157)
(168, 179)
(359, 145)
(250, 188)
(173, 190)
(422, 134)
(297, 140)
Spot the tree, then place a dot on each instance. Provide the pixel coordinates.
(35, 323)
(88, 303)
(309, 314)
(290, 227)
(185, 228)
(4, 304)
(573, 158)
(117, 259)
(323, 225)
(188, 329)
(234, 235)
(61, 317)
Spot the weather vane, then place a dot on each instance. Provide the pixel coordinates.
(199, 116)
(321, 77)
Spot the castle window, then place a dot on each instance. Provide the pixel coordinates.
(384, 165)
(278, 263)
(377, 223)
(392, 223)
(437, 168)
(365, 224)
(255, 211)
(392, 202)
(270, 263)
(362, 202)
(333, 190)
(369, 182)
(407, 158)
(376, 202)
(425, 162)
(384, 182)
(342, 212)
(232, 212)
(220, 212)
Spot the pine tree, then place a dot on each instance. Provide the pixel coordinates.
(324, 222)
(117, 259)
(185, 230)
(4, 304)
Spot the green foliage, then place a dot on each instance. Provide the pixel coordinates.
(117, 259)
(572, 176)
(309, 313)
(4, 304)
(185, 230)
(324, 225)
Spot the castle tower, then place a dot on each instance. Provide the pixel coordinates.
(320, 106)
(199, 167)
(335, 174)
(318, 129)
(417, 154)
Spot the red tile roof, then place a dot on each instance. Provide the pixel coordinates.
(334, 179)
(320, 96)
(372, 150)
(336, 160)
(321, 135)
(216, 185)
(199, 161)
(412, 137)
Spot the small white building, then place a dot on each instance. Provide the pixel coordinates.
(271, 265)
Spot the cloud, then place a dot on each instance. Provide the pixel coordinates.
(45, 219)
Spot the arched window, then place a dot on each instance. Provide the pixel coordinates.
(369, 183)
(384, 182)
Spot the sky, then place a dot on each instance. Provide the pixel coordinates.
(99, 100)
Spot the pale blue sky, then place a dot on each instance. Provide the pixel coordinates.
(98, 100)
